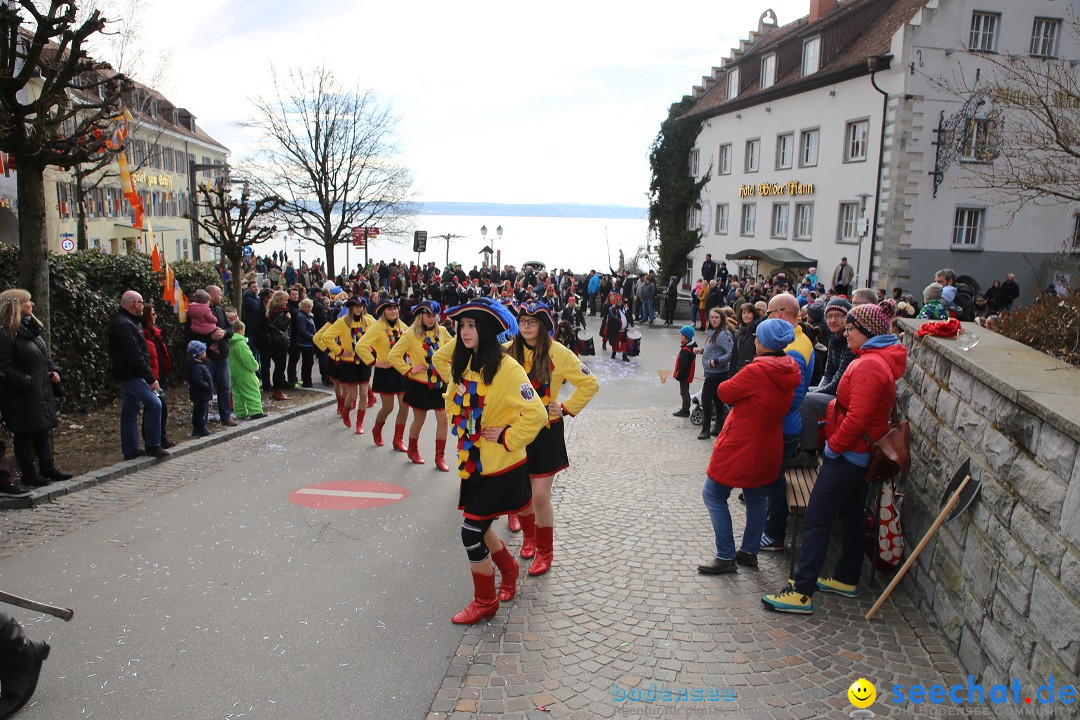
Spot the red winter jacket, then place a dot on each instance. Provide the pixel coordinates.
(750, 448)
(864, 399)
(160, 362)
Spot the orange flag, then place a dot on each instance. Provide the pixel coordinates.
(181, 303)
(169, 286)
(155, 258)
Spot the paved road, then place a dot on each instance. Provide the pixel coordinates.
(202, 592)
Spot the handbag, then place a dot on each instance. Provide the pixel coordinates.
(885, 537)
(889, 454)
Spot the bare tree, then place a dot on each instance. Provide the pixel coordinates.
(331, 154)
(234, 223)
(1027, 131)
(56, 105)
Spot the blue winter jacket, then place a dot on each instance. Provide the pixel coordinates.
(802, 350)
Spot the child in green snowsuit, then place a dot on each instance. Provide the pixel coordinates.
(244, 371)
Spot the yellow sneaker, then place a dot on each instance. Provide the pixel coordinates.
(789, 600)
(838, 588)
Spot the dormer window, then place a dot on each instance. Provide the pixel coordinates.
(768, 71)
(733, 84)
(811, 56)
(175, 117)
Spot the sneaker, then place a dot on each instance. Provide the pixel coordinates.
(229, 422)
(804, 459)
(15, 490)
(718, 567)
(789, 600)
(681, 413)
(836, 587)
(257, 416)
(745, 558)
(770, 545)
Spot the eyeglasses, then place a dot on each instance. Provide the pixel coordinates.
(778, 311)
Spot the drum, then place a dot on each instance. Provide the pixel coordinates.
(585, 344)
(633, 342)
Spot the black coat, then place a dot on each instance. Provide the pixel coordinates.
(127, 348)
(26, 393)
(745, 351)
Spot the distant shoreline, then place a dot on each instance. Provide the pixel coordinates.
(562, 210)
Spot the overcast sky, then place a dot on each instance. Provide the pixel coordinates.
(498, 101)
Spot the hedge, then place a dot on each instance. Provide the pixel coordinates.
(86, 288)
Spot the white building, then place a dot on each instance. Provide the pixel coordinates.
(793, 140)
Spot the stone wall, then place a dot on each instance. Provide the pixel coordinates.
(1002, 581)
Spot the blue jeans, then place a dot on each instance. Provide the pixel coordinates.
(716, 502)
(219, 371)
(776, 520)
(647, 311)
(839, 490)
(133, 395)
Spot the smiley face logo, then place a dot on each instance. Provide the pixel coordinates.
(862, 693)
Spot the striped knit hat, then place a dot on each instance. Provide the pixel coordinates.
(870, 320)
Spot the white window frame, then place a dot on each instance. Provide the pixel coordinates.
(984, 31)
(722, 218)
(804, 221)
(809, 147)
(732, 81)
(969, 227)
(752, 162)
(811, 55)
(856, 148)
(977, 148)
(693, 219)
(1045, 37)
(844, 223)
(725, 159)
(748, 220)
(781, 215)
(785, 160)
(695, 164)
(768, 71)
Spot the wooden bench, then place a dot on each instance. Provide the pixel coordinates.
(800, 483)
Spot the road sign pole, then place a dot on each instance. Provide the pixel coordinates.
(365, 248)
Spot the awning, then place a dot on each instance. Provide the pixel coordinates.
(122, 231)
(777, 256)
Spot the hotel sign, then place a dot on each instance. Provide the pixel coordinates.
(793, 188)
(160, 180)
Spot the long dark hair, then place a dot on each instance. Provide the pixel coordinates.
(488, 355)
(541, 364)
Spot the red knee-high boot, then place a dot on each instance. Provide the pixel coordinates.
(514, 522)
(528, 535)
(370, 398)
(440, 456)
(399, 438)
(509, 570)
(484, 605)
(360, 413)
(345, 413)
(376, 433)
(414, 451)
(340, 404)
(545, 550)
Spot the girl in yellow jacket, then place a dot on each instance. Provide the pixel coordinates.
(494, 413)
(341, 340)
(374, 348)
(548, 364)
(412, 356)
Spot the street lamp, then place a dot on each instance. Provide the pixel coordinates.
(863, 225)
(498, 253)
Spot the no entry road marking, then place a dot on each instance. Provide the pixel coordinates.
(348, 495)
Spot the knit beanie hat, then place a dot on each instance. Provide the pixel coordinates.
(870, 320)
(201, 296)
(775, 334)
(196, 348)
(687, 332)
(888, 306)
(948, 294)
(932, 292)
(838, 304)
(815, 312)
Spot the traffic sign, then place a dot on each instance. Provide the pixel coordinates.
(248, 251)
(348, 495)
(419, 243)
(68, 244)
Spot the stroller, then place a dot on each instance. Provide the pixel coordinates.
(697, 413)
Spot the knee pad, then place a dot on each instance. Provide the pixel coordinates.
(472, 537)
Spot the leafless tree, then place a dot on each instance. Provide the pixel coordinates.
(331, 153)
(232, 223)
(56, 103)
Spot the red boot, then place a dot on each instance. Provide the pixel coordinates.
(414, 451)
(440, 456)
(514, 522)
(509, 570)
(371, 398)
(345, 416)
(376, 433)
(528, 536)
(484, 604)
(340, 404)
(544, 550)
(360, 421)
(399, 438)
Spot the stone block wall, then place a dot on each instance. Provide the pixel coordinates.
(1002, 581)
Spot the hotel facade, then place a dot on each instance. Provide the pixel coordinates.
(820, 138)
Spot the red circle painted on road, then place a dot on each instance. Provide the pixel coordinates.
(348, 495)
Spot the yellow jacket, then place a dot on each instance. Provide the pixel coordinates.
(412, 347)
(565, 366)
(336, 338)
(511, 402)
(377, 342)
(444, 358)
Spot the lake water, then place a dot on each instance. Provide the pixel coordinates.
(581, 244)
